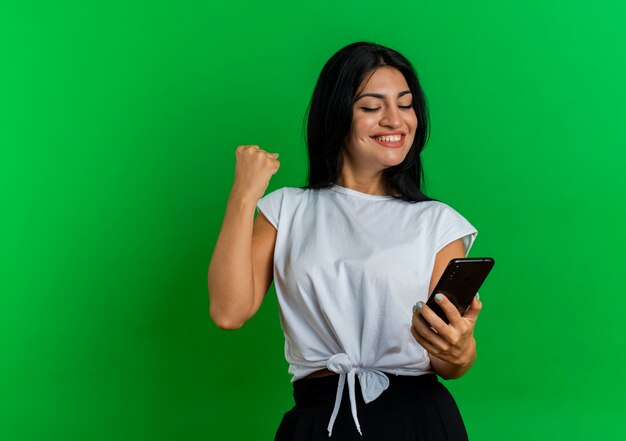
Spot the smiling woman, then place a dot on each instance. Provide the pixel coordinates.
(350, 254)
(366, 92)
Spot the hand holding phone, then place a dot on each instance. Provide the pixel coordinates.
(450, 341)
(460, 282)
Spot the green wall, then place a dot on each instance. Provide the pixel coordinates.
(118, 126)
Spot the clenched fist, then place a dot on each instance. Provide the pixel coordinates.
(253, 170)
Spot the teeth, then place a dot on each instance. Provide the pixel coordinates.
(393, 138)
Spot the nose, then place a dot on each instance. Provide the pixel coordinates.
(391, 118)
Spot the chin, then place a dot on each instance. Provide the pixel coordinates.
(395, 156)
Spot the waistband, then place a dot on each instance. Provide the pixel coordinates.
(325, 390)
(322, 390)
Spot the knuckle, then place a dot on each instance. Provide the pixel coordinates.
(454, 340)
(464, 359)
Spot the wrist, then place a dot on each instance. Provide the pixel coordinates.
(242, 198)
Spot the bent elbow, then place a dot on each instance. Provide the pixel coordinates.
(228, 325)
(224, 322)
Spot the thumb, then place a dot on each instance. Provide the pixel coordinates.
(474, 309)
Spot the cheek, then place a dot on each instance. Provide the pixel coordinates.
(361, 129)
(413, 123)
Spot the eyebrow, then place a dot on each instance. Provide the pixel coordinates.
(378, 95)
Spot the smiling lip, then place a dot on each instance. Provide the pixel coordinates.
(390, 144)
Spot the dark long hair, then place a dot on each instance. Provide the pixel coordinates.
(329, 119)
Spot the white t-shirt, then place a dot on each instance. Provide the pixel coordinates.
(348, 268)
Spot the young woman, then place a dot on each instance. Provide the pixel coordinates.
(353, 256)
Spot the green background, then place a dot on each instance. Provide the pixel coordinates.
(119, 123)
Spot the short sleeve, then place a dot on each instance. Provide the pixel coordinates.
(450, 226)
(270, 205)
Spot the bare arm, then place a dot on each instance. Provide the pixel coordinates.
(452, 349)
(240, 271)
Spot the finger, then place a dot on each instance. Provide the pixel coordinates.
(474, 309)
(424, 328)
(448, 307)
(433, 319)
(241, 148)
(430, 348)
(428, 334)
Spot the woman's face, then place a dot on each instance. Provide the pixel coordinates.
(383, 122)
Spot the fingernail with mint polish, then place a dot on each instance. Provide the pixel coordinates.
(439, 297)
(417, 306)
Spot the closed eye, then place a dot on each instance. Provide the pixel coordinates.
(368, 109)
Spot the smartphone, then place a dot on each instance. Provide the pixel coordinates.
(460, 282)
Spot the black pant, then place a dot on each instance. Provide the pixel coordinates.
(412, 408)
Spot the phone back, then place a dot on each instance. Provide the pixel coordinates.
(460, 282)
